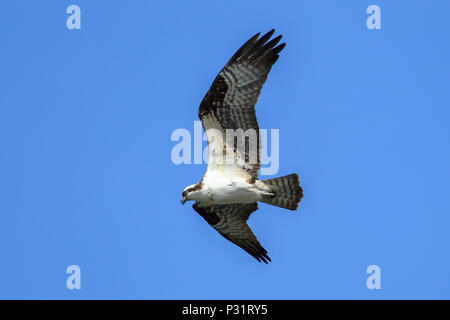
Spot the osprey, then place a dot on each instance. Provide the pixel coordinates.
(230, 189)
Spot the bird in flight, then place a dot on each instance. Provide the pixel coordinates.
(229, 191)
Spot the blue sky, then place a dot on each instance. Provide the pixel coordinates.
(86, 176)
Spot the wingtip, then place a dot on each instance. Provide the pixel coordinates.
(269, 34)
(264, 257)
(261, 257)
(277, 38)
(279, 47)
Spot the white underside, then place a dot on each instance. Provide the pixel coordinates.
(218, 189)
(226, 182)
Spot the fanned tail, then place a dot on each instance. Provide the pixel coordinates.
(287, 190)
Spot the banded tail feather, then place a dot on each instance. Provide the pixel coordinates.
(287, 190)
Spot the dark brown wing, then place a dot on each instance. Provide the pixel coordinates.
(232, 97)
(230, 220)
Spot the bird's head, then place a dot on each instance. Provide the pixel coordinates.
(191, 192)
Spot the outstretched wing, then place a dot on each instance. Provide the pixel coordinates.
(230, 104)
(230, 220)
